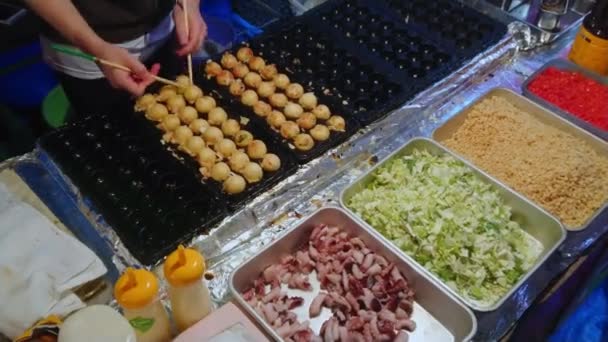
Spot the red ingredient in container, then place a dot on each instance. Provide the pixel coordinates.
(573, 93)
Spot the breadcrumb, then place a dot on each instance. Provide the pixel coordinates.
(560, 172)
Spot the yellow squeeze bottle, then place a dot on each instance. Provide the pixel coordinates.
(189, 295)
(137, 293)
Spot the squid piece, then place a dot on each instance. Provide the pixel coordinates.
(317, 304)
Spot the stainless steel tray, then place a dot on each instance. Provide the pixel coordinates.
(533, 219)
(566, 65)
(438, 315)
(542, 114)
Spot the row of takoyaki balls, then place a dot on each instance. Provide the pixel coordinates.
(224, 151)
(287, 108)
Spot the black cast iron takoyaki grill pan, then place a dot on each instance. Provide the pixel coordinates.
(373, 56)
(410, 50)
(151, 200)
(459, 28)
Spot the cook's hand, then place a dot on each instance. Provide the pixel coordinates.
(189, 41)
(134, 82)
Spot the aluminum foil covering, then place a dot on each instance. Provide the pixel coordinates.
(241, 235)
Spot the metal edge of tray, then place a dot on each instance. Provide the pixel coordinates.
(545, 116)
(512, 198)
(565, 65)
(463, 329)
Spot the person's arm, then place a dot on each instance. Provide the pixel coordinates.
(63, 16)
(189, 43)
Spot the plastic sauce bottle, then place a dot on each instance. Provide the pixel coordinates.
(137, 293)
(590, 49)
(190, 301)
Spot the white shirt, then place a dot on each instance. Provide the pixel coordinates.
(141, 47)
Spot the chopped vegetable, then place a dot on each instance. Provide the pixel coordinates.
(450, 221)
(574, 93)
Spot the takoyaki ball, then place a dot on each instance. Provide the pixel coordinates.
(289, 129)
(336, 123)
(225, 147)
(225, 78)
(213, 69)
(144, 102)
(294, 91)
(269, 72)
(237, 88)
(240, 70)
(244, 54)
(192, 93)
(281, 81)
(256, 63)
(157, 112)
(230, 127)
(220, 172)
(194, 145)
(303, 142)
(266, 89)
(293, 110)
(205, 104)
(276, 119)
(199, 125)
(308, 101)
(229, 61)
(243, 138)
(212, 135)
(252, 172)
(166, 92)
(262, 109)
(238, 160)
(234, 184)
(256, 149)
(307, 120)
(207, 157)
(278, 100)
(252, 80)
(183, 81)
(176, 103)
(217, 116)
(320, 133)
(321, 112)
(170, 123)
(168, 137)
(249, 98)
(271, 162)
(182, 134)
(187, 114)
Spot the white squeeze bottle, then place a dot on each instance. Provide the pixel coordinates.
(190, 301)
(137, 293)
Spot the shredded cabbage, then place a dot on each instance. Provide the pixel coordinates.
(450, 221)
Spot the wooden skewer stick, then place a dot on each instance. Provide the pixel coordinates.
(122, 67)
(189, 57)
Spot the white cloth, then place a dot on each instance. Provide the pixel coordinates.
(141, 47)
(39, 264)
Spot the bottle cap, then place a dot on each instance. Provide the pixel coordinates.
(184, 266)
(136, 288)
